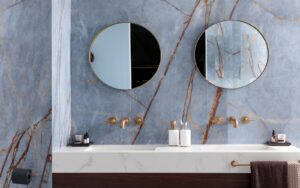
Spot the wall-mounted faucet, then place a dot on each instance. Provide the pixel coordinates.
(124, 122)
(233, 121)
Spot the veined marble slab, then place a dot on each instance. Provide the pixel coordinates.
(61, 75)
(165, 159)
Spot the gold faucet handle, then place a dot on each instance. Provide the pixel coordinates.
(246, 119)
(112, 120)
(125, 121)
(139, 120)
(218, 120)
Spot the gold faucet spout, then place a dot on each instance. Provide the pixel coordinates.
(233, 121)
(124, 122)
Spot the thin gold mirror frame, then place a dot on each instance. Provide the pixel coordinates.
(92, 56)
(243, 22)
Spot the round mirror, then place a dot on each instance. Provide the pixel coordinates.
(231, 54)
(124, 55)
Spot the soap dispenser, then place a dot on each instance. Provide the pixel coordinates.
(273, 138)
(185, 135)
(173, 135)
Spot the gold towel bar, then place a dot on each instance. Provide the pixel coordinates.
(235, 164)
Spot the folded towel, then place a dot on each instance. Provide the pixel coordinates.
(294, 175)
(269, 174)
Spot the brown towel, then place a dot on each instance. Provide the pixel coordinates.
(269, 174)
(294, 175)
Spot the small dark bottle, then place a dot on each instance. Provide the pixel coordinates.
(86, 139)
(273, 139)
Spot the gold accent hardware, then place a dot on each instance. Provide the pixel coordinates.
(236, 164)
(91, 57)
(218, 120)
(124, 122)
(234, 121)
(112, 120)
(245, 119)
(139, 120)
(173, 125)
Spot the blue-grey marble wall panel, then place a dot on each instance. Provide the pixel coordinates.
(178, 91)
(25, 90)
(61, 72)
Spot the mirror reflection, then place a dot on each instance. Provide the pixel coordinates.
(231, 54)
(124, 55)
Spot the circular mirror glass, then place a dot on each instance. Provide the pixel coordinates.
(124, 55)
(231, 54)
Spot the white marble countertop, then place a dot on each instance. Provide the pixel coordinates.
(165, 159)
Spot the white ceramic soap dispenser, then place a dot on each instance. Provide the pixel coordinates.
(173, 135)
(185, 135)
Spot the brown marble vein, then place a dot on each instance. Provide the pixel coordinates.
(233, 9)
(221, 29)
(14, 155)
(9, 5)
(219, 65)
(266, 120)
(270, 11)
(89, 81)
(208, 9)
(170, 61)
(135, 99)
(178, 9)
(232, 53)
(212, 114)
(47, 160)
(250, 56)
(13, 141)
(17, 159)
(188, 96)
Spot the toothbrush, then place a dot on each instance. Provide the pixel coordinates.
(183, 125)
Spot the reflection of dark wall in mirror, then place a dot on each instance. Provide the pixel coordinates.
(200, 54)
(145, 55)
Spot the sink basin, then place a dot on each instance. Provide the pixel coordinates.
(237, 148)
(117, 148)
(111, 148)
(166, 148)
(217, 148)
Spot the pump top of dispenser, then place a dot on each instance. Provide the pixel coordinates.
(184, 125)
(173, 125)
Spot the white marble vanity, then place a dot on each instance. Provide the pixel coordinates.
(165, 159)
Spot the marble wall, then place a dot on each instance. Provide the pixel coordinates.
(178, 91)
(61, 75)
(25, 90)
